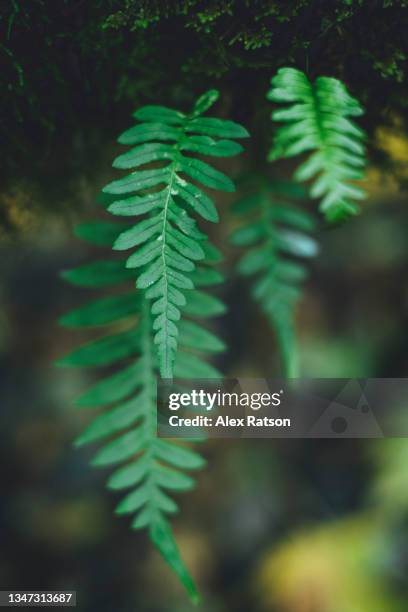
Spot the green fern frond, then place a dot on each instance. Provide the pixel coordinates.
(317, 120)
(147, 467)
(168, 242)
(276, 236)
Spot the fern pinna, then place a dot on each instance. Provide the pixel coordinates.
(275, 235)
(168, 241)
(318, 121)
(169, 244)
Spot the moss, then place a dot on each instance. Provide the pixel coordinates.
(72, 69)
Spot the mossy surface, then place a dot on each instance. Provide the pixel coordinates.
(72, 69)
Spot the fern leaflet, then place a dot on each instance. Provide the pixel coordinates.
(275, 235)
(168, 240)
(318, 121)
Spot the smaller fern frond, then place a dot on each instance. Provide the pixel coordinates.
(147, 469)
(318, 120)
(276, 237)
(167, 242)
